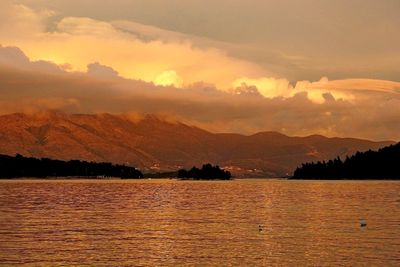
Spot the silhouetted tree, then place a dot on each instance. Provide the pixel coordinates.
(20, 166)
(207, 172)
(381, 164)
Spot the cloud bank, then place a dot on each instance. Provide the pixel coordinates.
(299, 40)
(372, 112)
(129, 48)
(81, 64)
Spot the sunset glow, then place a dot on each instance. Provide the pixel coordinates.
(45, 36)
(199, 133)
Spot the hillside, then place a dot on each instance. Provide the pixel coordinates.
(381, 164)
(156, 145)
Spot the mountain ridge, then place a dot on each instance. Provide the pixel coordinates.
(154, 144)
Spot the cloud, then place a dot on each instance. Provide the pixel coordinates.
(316, 91)
(80, 41)
(298, 40)
(101, 71)
(367, 85)
(268, 87)
(13, 56)
(242, 110)
(137, 51)
(81, 64)
(18, 20)
(167, 78)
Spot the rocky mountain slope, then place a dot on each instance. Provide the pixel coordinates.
(153, 144)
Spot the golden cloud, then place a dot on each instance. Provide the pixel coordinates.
(82, 41)
(86, 65)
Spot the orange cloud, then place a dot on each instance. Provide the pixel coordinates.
(87, 65)
(28, 87)
(167, 78)
(82, 41)
(348, 89)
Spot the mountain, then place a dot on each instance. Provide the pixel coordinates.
(153, 144)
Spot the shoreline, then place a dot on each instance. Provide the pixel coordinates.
(192, 180)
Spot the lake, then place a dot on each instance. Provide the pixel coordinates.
(199, 223)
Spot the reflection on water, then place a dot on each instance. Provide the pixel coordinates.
(175, 223)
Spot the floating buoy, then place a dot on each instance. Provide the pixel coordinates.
(363, 223)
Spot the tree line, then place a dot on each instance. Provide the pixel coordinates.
(381, 164)
(20, 166)
(207, 172)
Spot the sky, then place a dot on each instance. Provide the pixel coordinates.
(298, 67)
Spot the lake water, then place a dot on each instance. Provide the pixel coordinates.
(187, 223)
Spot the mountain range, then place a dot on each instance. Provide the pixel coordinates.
(155, 145)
